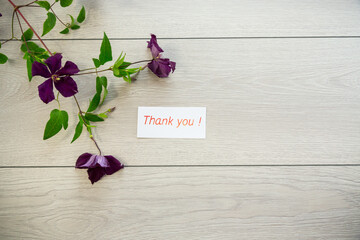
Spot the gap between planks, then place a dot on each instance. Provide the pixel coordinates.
(195, 38)
(199, 166)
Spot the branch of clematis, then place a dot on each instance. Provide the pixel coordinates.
(92, 138)
(81, 114)
(139, 62)
(57, 99)
(26, 5)
(16, 8)
(22, 32)
(87, 69)
(58, 18)
(108, 69)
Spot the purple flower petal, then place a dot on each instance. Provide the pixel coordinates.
(66, 86)
(54, 62)
(162, 67)
(154, 47)
(172, 65)
(39, 69)
(102, 161)
(95, 174)
(70, 68)
(82, 160)
(114, 165)
(46, 92)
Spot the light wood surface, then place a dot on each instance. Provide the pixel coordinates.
(181, 203)
(280, 80)
(196, 18)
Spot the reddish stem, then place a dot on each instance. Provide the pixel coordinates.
(16, 8)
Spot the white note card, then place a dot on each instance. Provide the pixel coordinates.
(171, 122)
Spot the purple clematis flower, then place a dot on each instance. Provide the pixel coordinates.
(160, 66)
(57, 75)
(98, 165)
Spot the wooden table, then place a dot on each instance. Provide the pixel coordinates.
(281, 160)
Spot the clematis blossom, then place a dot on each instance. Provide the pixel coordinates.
(160, 66)
(56, 75)
(98, 165)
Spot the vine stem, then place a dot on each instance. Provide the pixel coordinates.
(16, 8)
(81, 114)
(92, 72)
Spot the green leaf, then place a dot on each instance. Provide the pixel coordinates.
(81, 16)
(104, 96)
(120, 60)
(29, 62)
(94, 103)
(3, 58)
(65, 119)
(105, 51)
(43, 4)
(78, 130)
(65, 3)
(28, 34)
(103, 115)
(96, 62)
(49, 23)
(65, 31)
(104, 81)
(54, 125)
(93, 117)
(33, 47)
(72, 20)
(98, 85)
(74, 27)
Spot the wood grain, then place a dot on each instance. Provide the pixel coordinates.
(195, 18)
(182, 203)
(269, 101)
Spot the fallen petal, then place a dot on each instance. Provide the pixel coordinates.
(95, 174)
(82, 160)
(114, 165)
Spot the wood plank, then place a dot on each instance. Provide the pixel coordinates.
(269, 101)
(182, 203)
(195, 18)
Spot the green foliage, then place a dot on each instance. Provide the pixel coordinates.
(44, 4)
(78, 129)
(96, 62)
(94, 103)
(49, 23)
(65, 3)
(73, 25)
(93, 117)
(105, 51)
(120, 68)
(81, 16)
(65, 31)
(29, 62)
(58, 119)
(3, 58)
(28, 34)
(32, 52)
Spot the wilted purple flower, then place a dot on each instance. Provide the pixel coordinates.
(98, 165)
(160, 66)
(57, 75)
